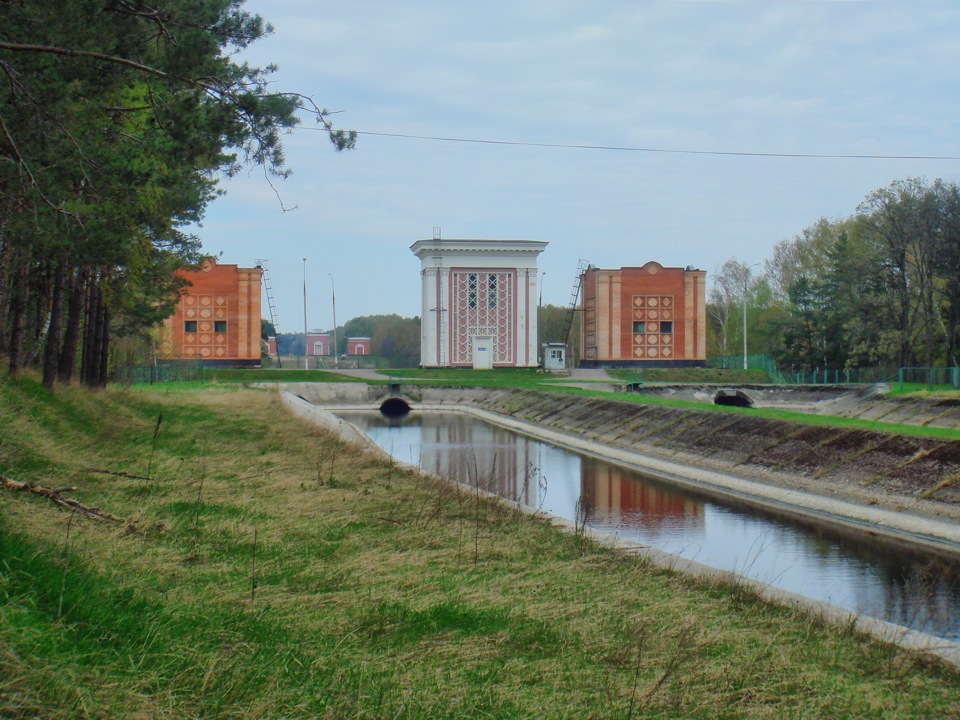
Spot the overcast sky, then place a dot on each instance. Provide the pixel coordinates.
(692, 88)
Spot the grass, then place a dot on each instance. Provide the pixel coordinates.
(528, 379)
(693, 375)
(269, 375)
(259, 579)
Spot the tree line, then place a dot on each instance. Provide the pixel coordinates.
(116, 119)
(880, 287)
(390, 336)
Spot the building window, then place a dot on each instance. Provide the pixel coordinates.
(639, 327)
(472, 291)
(219, 325)
(189, 326)
(492, 288)
(666, 328)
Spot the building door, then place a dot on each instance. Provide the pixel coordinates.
(482, 352)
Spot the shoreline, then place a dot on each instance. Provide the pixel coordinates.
(932, 535)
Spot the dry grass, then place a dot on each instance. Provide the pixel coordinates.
(273, 572)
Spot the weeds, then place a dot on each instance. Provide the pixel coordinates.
(298, 602)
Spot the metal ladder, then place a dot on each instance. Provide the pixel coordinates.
(264, 265)
(574, 295)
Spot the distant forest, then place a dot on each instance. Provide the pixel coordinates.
(878, 288)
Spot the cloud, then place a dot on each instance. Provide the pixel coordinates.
(801, 77)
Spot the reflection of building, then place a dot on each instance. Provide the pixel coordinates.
(479, 300)
(648, 316)
(611, 492)
(217, 318)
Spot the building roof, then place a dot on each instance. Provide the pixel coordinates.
(433, 246)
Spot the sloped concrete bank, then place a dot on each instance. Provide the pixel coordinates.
(617, 432)
(902, 473)
(917, 479)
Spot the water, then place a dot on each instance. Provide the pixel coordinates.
(867, 576)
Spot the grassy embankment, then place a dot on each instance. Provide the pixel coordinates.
(270, 571)
(532, 380)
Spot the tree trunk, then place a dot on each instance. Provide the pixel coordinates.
(103, 363)
(52, 349)
(71, 338)
(89, 333)
(18, 310)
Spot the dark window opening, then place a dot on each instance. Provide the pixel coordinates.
(472, 291)
(639, 327)
(189, 326)
(219, 325)
(666, 327)
(492, 288)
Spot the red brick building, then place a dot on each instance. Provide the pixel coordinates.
(358, 346)
(648, 316)
(217, 318)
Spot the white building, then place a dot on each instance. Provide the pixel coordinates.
(479, 300)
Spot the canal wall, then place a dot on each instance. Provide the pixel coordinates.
(899, 472)
(617, 432)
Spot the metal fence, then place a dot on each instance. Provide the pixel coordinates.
(820, 376)
(929, 377)
(160, 373)
(754, 362)
(839, 376)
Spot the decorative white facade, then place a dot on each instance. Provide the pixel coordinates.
(479, 300)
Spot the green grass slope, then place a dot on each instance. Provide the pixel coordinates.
(265, 570)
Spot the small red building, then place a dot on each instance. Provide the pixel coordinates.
(649, 316)
(218, 317)
(318, 343)
(358, 346)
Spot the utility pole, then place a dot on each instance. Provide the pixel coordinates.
(306, 365)
(746, 279)
(540, 353)
(336, 354)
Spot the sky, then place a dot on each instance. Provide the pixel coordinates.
(692, 119)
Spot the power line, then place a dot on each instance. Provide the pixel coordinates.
(667, 151)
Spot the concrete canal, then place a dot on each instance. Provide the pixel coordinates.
(857, 571)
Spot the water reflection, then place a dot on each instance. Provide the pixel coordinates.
(867, 577)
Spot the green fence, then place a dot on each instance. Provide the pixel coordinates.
(754, 362)
(160, 373)
(840, 376)
(932, 378)
(819, 376)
